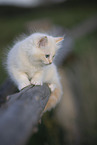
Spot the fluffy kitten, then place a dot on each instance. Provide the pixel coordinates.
(30, 61)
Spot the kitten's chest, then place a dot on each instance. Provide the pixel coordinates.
(32, 71)
(30, 68)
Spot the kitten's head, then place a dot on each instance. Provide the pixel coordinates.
(45, 47)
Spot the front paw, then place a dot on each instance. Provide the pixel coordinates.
(23, 85)
(36, 82)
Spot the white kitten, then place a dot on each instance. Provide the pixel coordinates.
(30, 61)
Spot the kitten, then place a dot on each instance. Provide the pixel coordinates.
(30, 61)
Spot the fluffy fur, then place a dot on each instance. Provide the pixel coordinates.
(30, 61)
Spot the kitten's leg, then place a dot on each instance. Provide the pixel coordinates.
(23, 81)
(54, 99)
(56, 90)
(37, 78)
(20, 79)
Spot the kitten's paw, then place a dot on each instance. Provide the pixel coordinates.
(35, 82)
(23, 85)
(52, 87)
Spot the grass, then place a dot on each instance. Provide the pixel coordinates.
(86, 44)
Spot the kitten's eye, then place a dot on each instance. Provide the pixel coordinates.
(47, 56)
(53, 56)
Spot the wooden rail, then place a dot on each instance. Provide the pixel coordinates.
(20, 115)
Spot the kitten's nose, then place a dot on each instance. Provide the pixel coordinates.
(50, 61)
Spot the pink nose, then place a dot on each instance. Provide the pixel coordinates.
(50, 61)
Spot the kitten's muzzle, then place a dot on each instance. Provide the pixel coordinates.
(48, 63)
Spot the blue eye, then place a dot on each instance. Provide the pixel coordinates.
(47, 55)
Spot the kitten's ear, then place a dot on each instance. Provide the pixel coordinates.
(43, 41)
(59, 39)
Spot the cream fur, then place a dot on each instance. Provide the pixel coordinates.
(27, 64)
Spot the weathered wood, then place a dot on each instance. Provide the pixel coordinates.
(20, 115)
(7, 88)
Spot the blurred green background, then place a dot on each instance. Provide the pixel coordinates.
(82, 65)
